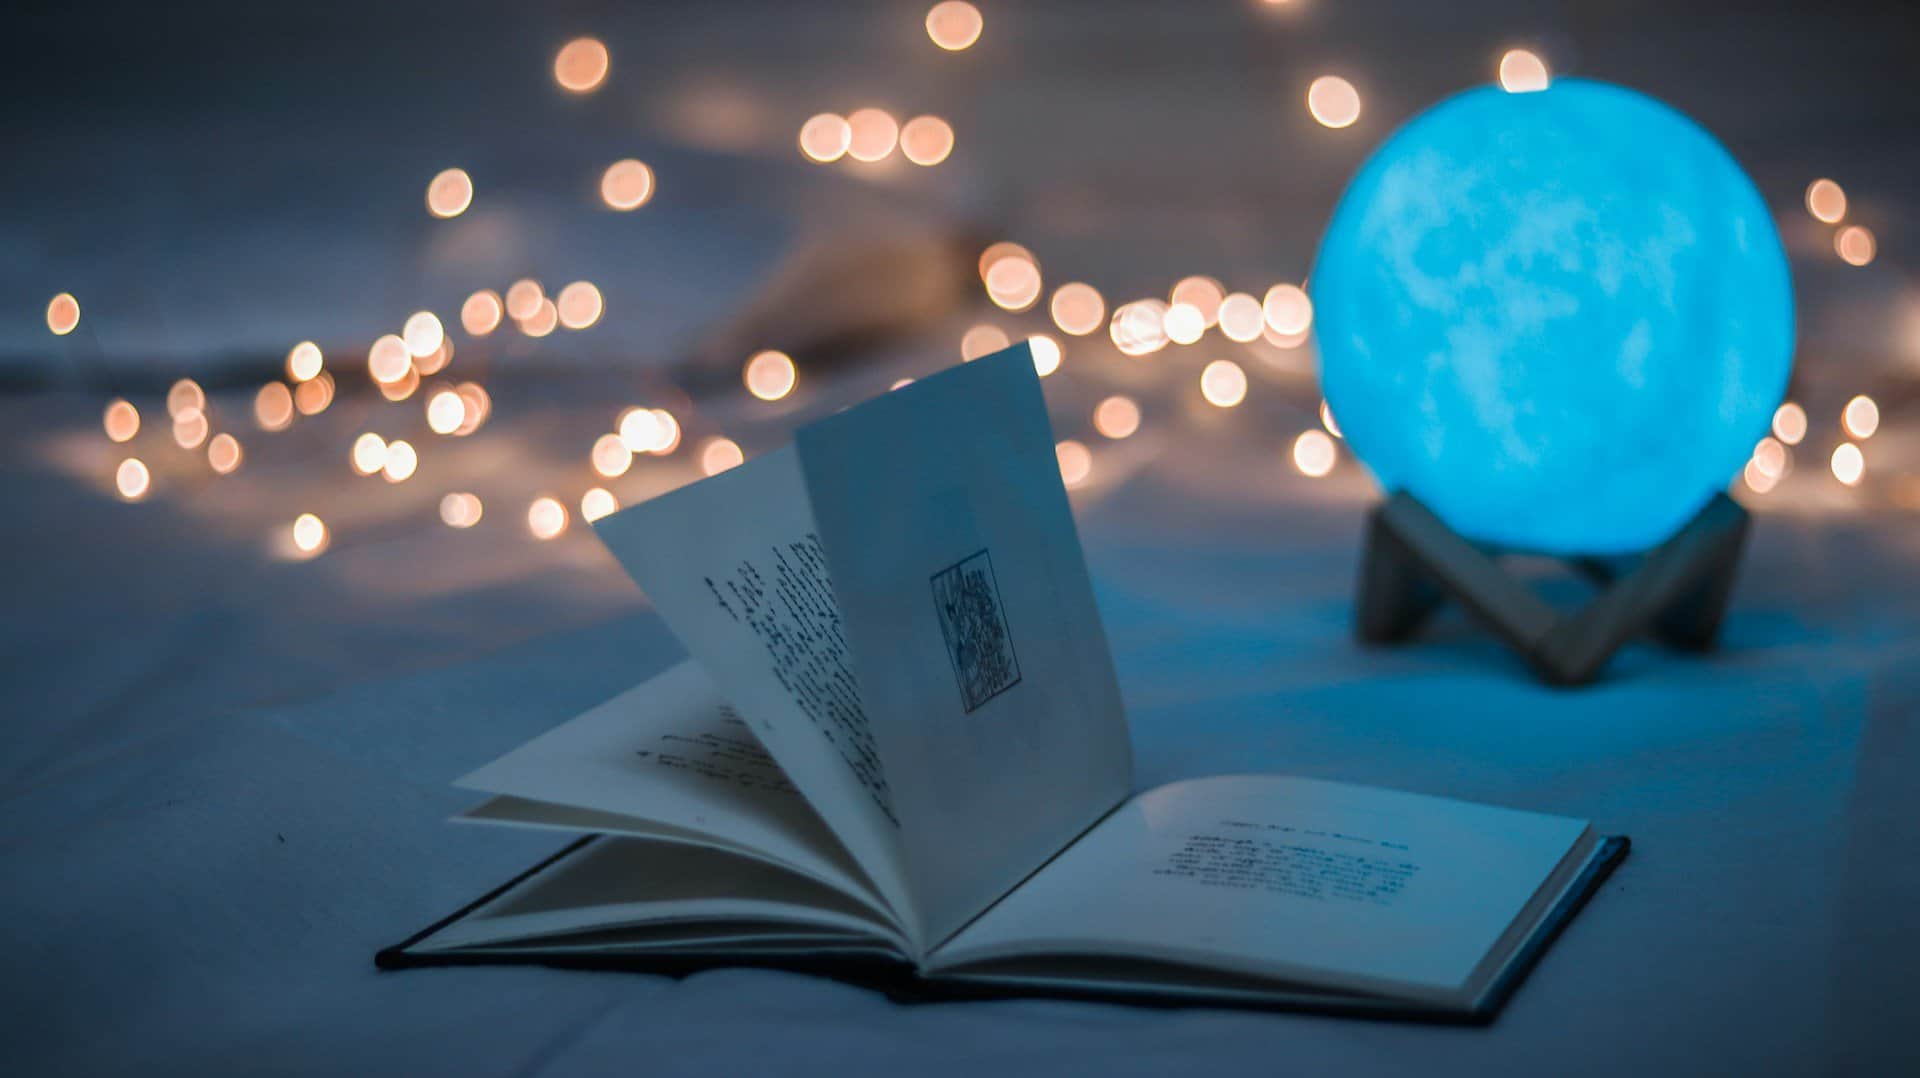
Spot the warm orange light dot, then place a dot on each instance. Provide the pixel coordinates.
(954, 24)
(1861, 417)
(719, 454)
(479, 407)
(401, 461)
(1203, 294)
(610, 456)
(1770, 458)
(1314, 454)
(1046, 354)
(626, 185)
(1241, 318)
(1075, 460)
(304, 361)
(926, 140)
(423, 334)
(1826, 201)
(669, 439)
(122, 421)
(190, 429)
(223, 453)
(1849, 464)
(312, 396)
(1790, 423)
(1139, 328)
(980, 341)
(1184, 324)
(63, 314)
(579, 305)
(1855, 245)
(1003, 249)
(435, 361)
(545, 317)
(445, 411)
(1326, 420)
(460, 510)
(1223, 383)
(1522, 72)
(581, 65)
(185, 396)
(449, 193)
(388, 360)
(871, 134)
(523, 299)
(132, 479)
(273, 407)
(1757, 481)
(1117, 417)
(1333, 101)
(1287, 309)
(546, 518)
(825, 138)
(402, 389)
(369, 453)
(480, 314)
(309, 533)
(770, 375)
(1078, 309)
(597, 502)
(640, 430)
(1013, 282)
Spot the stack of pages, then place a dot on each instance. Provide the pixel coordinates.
(897, 753)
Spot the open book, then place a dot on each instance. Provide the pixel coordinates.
(897, 752)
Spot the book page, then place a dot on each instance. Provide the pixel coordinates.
(734, 565)
(972, 625)
(666, 757)
(1344, 887)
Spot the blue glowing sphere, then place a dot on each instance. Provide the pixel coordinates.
(1560, 319)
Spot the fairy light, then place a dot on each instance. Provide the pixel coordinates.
(1770, 458)
(542, 321)
(480, 314)
(479, 407)
(1203, 294)
(1860, 418)
(610, 456)
(273, 407)
(668, 439)
(926, 140)
(597, 502)
(770, 375)
(720, 454)
(625, 185)
(185, 396)
(445, 411)
(63, 314)
(1756, 480)
(1223, 383)
(579, 305)
(449, 193)
(1184, 324)
(190, 429)
(132, 479)
(872, 134)
(1075, 460)
(312, 397)
(309, 534)
(223, 453)
(1790, 423)
(639, 430)
(1522, 72)
(402, 389)
(388, 360)
(1139, 328)
(954, 24)
(1003, 249)
(1078, 309)
(401, 461)
(825, 138)
(460, 510)
(1855, 245)
(121, 420)
(1326, 420)
(304, 361)
(523, 299)
(1013, 283)
(369, 454)
(1287, 310)
(435, 361)
(1849, 464)
(546, 518)
(422, 334)
(982, 340)
(1241, 317)
(1826, 201)
(1313, 454)
(581, 65)
(1116, 417)
(1333, 101)
(1046, 354)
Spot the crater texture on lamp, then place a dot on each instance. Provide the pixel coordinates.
(1560, 319)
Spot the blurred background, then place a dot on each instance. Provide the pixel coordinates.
(328, 326)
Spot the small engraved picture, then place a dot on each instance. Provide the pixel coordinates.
(967, 599)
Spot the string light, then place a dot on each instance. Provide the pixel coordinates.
(669, 437)
(542, 321)
(523, 299)
(1003, 249)
(401, 461)
(388, 359)
(1287, 310)
(597, 502)
(1223, 383)
(132, 479)
(954, 24)
(579, 305)
(610, 456)
(402, 389)
(1855, 245)
(479, 407)
(980, 341)
(121, 420)
(63, 314)
(1770, 458)
(1333, 101)
(460, 510)
(1849, 464)
(1826, 201)
(1861, 417)
(1203, 294)
(435, 361)
(1078, 309)
(273, 407)
(309, 534)
(223, 453)
(639, 430)
(304, 361)
(926, 140)
(1075, 460)
(1790, 423)
(312, 396)
(825, 138)
(185, 396)
(1521, 72)
(720, 454)
(1757, 481)
(581, 65)
(445, 411)
(190, 429)
(1313, 454)
(1184, 324)
(369, 454)
(1116, 417)
(423, 334)
(546, 518)
(872, 134)
(1241, 317)
(625, 185)
(770, 375)
(449, 193)
(480, 314)
(1139, 328)
(1046, 354)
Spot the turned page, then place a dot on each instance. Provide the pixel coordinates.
(733, 563)
(1342, 887)
(970, 616)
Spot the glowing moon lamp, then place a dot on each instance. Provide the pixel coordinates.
(1559, 319)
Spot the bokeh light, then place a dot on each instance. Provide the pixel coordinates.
(1116, 417)
(1327, 420)
(223, 453)
(132, 479)
(1826, 201)
(581, 65)
(1855, 245)
(639, 430)
(610, 456)
(403, 388)
(1203, 294)
(1860, 418)
(1333, 101)
(1075, 460)
(546, 518)
(954, 24)
(668, 439)
(309, 534)
(1003, 249)
(312, 396)
(121, 420)
(1790, 423)
(435, 361)
(190, 429)
(1287, 310)
(445, 411)
(1078, 309)
(1013, 282)
(1223, 383)
(479, 407)
(388, 360)
(719, 454)
(480, 314)
(1522, 72)
(1849, 464)
(982, 340)
(369, 454)
(579, 305)
(1756, 480)
(1184, 324)
(770, 375)
(1313, 453)
(401, 461)
(185, 396)
(304, 361)
(423, 334)
(872, 134)
(63, 314)
(825, 137)
(460, 510)
(1139, 328)
(1046, 354)
(926, 140)
(523, 299)
(1241, 317)
(449, 193)
(597, 502)
(544, 319)
(1770, 458)
(625, 185)
(273, 407)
